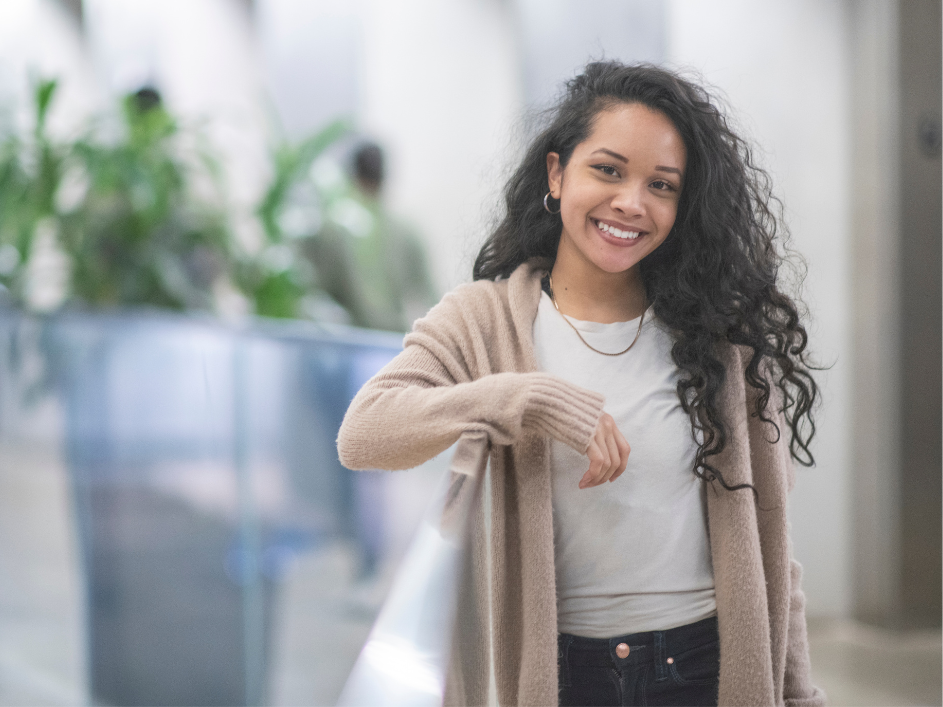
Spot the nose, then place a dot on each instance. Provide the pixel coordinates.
(629, 200)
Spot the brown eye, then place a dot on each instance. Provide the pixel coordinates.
(607, 169)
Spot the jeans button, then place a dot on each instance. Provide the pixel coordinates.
(622, 650)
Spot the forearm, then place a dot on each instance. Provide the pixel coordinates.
(413, 410)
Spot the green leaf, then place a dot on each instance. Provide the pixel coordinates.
(45, 90)
(291, 162)
(278, 296)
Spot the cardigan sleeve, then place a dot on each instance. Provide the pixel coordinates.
(798, 690)
(428, 396)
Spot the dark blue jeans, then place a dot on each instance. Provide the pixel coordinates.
(679, 666)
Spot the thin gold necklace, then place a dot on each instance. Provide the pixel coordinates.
(604, 353)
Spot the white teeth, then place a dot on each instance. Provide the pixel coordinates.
(618, 233)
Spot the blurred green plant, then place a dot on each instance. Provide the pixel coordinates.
(30, 174)
(279, 278)
(145, 222)
(139, 220)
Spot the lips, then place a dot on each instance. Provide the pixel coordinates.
(620, 235)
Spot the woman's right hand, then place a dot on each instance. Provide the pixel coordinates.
(608, 454)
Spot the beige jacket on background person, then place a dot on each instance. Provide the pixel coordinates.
(469, 366)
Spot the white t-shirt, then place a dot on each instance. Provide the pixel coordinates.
(632, 555)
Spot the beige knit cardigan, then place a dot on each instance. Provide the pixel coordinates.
(469, 366)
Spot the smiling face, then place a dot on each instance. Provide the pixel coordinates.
(619, 192)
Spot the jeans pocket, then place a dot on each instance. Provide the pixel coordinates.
(697, 666)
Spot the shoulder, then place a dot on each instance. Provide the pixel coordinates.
(488, 307)
(481, 293)
(484, 320)
(470, 297)
(470, 315)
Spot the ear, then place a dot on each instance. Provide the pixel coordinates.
(554, 174)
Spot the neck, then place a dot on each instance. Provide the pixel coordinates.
(598, 296)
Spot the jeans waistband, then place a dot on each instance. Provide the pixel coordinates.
(644, 646)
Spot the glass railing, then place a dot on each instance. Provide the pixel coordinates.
(406, 658)
(224, 556)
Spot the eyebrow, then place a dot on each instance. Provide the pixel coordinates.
(616, 155)
(659, 167)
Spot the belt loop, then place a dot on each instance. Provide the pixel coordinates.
(661, 666)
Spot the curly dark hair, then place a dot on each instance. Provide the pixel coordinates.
(713, 281)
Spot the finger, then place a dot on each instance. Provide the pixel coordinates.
(624, 451)
(608, 463)
(607, 436)
(591, 477)
(599, 455)
(598, 462)
(594, 461)
(615, 458)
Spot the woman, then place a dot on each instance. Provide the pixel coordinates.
(626, 327)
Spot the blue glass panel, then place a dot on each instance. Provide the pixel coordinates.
(203, 463)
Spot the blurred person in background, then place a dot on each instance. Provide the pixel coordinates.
(630, 296)
(370, 263)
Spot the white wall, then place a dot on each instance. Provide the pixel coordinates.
(440, 88)
(783, 65)
(38, 40)
(202, 58)
(556, 38)
(311, 51)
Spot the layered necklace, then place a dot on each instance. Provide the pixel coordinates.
(604, 353)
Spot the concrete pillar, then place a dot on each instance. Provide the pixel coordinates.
(895, 253)
(920, 197)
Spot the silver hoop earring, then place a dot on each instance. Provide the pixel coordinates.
(547, 206)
